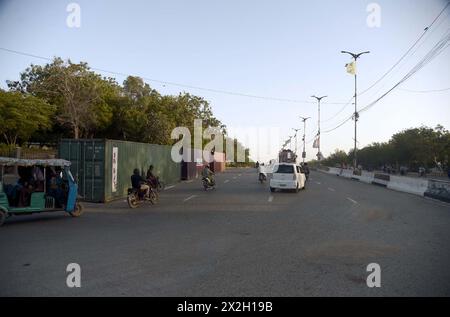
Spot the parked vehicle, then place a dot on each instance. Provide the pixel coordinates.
(35, 186)
(137, 197)
(287, 176)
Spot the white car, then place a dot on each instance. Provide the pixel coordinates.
(287, 176)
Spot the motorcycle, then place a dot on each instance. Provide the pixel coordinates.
(208, 183)
(262, 177)
(137, 197)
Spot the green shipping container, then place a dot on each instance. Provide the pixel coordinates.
(103, 168)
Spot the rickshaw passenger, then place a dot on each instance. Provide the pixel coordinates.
(54, 187)
(25, 194)
(25, 186)
(10, 185)
(38, 177)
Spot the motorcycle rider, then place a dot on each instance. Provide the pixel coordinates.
(151, 178)
(208, 175)
(261, 173)
(139, 183)
(306, 169)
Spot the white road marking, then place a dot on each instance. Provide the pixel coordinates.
(318, 183)
(234, 177)
(239, 174)
(331, 189)
(353, 201)
(190, 197)
(270, 199)
(169, 187)
(190, 181)
(226, 181)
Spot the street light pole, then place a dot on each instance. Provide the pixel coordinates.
(290, 142)
(318, 123)
(304, 136)
(356, 114)
(296, 130)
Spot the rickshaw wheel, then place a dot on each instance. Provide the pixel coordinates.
(78, 211)
(2, 217)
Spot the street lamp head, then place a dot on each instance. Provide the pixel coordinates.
(318, 98)
(355, 56)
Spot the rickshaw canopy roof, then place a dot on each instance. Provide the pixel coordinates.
(9, 161)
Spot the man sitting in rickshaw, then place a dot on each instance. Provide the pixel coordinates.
(54, 185)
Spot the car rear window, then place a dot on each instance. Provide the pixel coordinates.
(285, 169)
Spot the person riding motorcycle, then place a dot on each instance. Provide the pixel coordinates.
(262, 176)
(139, 183)
(151, 178)
(306, 169)
(208, 175)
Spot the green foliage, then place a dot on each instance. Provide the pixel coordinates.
(22, 115)
(75, 90)
(87, 105)
(410, 148)
(338, 157)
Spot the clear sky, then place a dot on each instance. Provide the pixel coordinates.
(282, 49)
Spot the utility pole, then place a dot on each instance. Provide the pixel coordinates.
(304, 136)
(356, 114)
(318, 123)
(295, 150)
(295, 136)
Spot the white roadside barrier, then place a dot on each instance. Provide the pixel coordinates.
(366, 177)
(347, 173)
(416, 186)
(334, 171)
(433, 188)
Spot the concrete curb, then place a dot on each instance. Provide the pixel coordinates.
(436, 189)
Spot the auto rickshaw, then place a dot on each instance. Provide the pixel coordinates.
(35, 186)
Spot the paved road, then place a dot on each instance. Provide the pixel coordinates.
(239, 240)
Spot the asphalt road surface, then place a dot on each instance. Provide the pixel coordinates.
(238, 240)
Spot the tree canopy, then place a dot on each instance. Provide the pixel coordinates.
(88, 105)
(411, 148)
(22, 115)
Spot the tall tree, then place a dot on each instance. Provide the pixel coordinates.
(73, 88)
(22, 115)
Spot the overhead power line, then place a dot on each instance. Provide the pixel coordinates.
(437, 49)
(389, 70)
(432, 54)
(340, 111)
(424, 91)
(170, 83)
(408, 51)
